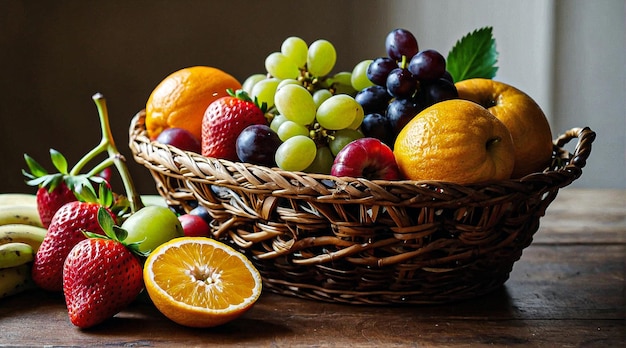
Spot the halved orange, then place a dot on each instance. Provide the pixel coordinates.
(200, 282)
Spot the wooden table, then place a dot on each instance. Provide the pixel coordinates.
(568, 290)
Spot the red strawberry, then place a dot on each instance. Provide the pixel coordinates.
(224, 119)
(55, 189)
(48, 202)
(65, 231)
(101, 276)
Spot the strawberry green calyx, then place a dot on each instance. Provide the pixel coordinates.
(114, 232)
(243, 95)
(40, 177)
(87, 194)
(74, 178)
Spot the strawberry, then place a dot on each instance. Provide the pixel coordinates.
(101, 275)
(224, 119)
(55, 189)
(51, 199)
(65, 231)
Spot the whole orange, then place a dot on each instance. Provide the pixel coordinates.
(523, 117)
(455, 141)
(179, 101)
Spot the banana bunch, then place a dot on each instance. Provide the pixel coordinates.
(21, 234)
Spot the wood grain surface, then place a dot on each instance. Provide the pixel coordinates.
(568, 290)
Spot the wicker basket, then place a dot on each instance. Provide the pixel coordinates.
(359, 241)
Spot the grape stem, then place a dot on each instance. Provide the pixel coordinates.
(107, 144)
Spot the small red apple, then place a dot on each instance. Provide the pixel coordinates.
(194, 226)
(367, 158)
(180, 138)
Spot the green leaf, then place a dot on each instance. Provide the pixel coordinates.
(473, 56)
(59, 161)
(36, 169)
(107, 223)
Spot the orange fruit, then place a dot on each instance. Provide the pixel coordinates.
(179, 101)
(200, 282)
(455, 141)
(525, 120)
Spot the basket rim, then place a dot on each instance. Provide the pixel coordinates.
(564, 169)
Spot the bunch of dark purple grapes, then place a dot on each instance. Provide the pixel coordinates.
(405, 82)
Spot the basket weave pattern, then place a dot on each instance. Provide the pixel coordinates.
(360, 241)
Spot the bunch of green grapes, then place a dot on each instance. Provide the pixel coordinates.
(314, 112)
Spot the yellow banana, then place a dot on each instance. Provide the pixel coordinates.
(19, 233)
(15, 280)
(15, 254)
(20, 214)
(18, 199)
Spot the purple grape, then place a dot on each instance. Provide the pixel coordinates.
(401, 83)
(203, 213)
(401, 111)
(427, 65)
(257, 144)
(437, 91)
(401, 42)
(379, 68)
(376, 125)
(373, 99)
(448, 76)
(180, 138)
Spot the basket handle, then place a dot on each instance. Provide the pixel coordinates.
(583, 149)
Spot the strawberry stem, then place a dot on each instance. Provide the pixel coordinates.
(107, 144)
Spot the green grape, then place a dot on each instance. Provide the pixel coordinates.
(358, 118)
(320, 96)
(277, 121)
(290, 129)
(296, 49)
(322, 162)
(296, 153)
(359, 75)
(342, 83)
(264, 91)
(281, 67)
(342, 138)
(251, 81)
(338, 112)
(321, 58)
(296, 103)
(287, 82)
(152, 226)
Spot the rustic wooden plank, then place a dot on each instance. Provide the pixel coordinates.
(570, 295)
(584, 216)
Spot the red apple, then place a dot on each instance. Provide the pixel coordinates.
(367, 158)
(180, 138)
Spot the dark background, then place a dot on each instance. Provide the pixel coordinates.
(55, 55)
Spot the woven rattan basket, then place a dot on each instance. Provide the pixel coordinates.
(359, 241)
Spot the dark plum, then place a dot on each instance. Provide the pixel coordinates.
(373, 99)
(180, 138)
(401, 42)
(257, 144)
